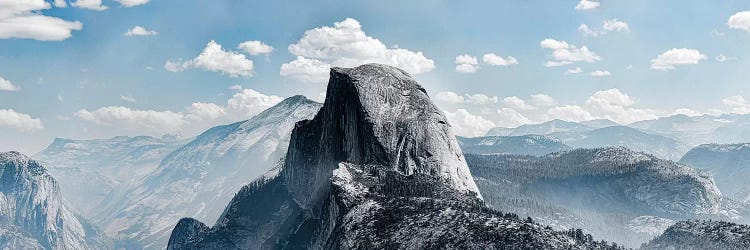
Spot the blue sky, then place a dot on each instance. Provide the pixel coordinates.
(100, 82)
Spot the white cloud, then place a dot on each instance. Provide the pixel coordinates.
(132, 3)
(6, 85)
(617, 106)
(468, 124)
(195, 118)
(583, 28)
(740, 20)
(60, 3)
(214, 58)
(23, 19)
(587, 5)
(449, 97)
(90, 4)
(255, 47)
(236, 87)
(576, 70)
(248, 103)
(600, 73)
(19, 121)
(493, 59)
(160, 122)
(306, 70)
(466, 63)
(509, 118)
(205, 111)
(127, 98)
(686, 111)
(516, 103)
(542, 100)
(346, 45)
(607, 26)
(140, 31)
(737, 104)
(721, 58)
(481, 99)
(616, 25)
(564, 53)
(670, 58)
(569, 113)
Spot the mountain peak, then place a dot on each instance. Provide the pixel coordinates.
(374, 114)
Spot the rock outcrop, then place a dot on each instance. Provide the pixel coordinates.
(32, 212)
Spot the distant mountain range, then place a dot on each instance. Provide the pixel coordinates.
(33, 214)
(525, 144)
(377, 166)
(200, 178)
(94, 174)
(613, 193)
(728, 163)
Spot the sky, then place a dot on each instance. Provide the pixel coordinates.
(86, 69)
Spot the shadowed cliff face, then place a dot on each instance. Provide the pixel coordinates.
(376, 115)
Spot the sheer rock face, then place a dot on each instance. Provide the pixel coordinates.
(377, 115)
(32, 213)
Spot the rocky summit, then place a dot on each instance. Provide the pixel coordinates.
(377, 167)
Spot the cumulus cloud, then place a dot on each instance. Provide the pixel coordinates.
(542, 100)
(449, 97)
(60, 3)
(23, 19)
(509, 118)
(737, 104)
(255, 47)
(19, 121)
(587, 5)
(612, 25)
(205, 111)
(306, 70)
(132, 3)
(6, 85)
(564, 53)
(160, 122)
(493, 59)
(468, 124)
(90, 4)
(670, 58)
(197, 117)
(127, 98)
(721, 58)
(140, 31)
(617, 106)
(346, 45)
(576, 70)
(686, 111)
(248, 103)
(214, 58)
(740, 20)
(466, 63)
(616, 25)
(516, 103)
(586, 31)
(569, 113)
(600, 73)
